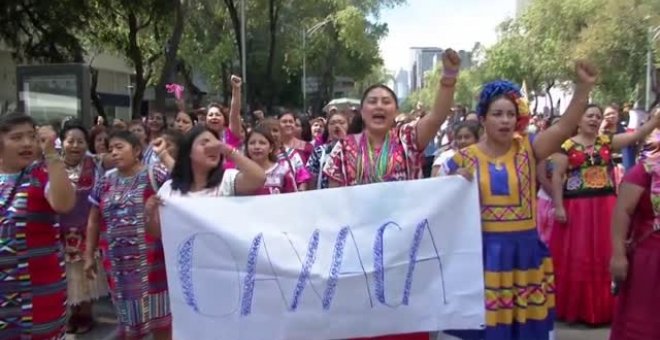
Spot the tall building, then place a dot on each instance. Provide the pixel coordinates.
(401, 84)
(424, 59)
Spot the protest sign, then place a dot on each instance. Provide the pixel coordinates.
(376, 259)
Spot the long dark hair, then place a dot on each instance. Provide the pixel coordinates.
(306, 129)
(182, 174)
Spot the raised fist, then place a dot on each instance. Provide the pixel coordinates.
(451, 62)
(46, 136)
(236, 81)
(587, 74)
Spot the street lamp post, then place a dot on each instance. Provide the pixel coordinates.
(305, 34)
(243, 57)
(654, 34)
(130, 101)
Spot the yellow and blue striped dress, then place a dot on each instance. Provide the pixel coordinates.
(518, 271)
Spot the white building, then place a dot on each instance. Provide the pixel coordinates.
(423, 60)
(401, 84)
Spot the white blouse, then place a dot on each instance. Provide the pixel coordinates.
(225, 188)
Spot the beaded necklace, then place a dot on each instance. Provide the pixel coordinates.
(373, 166)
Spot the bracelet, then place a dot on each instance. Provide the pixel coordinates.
(450, 74)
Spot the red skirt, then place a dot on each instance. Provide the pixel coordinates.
(412, 336)
(636, 313)
(581, 251)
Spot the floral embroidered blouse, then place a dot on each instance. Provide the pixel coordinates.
(590, 168)
(404, 162)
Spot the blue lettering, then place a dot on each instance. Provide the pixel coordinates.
(417, 240)
(335, 267)
(310, 258)
(379, 268)
(185, 258)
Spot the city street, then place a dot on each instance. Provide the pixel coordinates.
(105, 328)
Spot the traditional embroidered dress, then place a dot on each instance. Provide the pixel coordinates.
(32, 279)
(295, 162)
(582, 247)
(353, 162)
(317, 161)
(304, 149)
(279, 180)
(402, 159)
(517, 266)
(636, 310)
(133, 260)
(74, 228)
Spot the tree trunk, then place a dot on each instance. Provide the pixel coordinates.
(547, 91)
(169, 68)
(273, 15)
(326, 85)
(96, 100)
(236, 23)
(193, 92)
(224, 84)
(135, 56)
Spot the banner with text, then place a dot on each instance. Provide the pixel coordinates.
(370, 260)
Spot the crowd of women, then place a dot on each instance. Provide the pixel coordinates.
(83, 221)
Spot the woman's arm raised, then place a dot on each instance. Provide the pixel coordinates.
(548, 142)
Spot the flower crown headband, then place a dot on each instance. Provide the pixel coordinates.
(510, 90)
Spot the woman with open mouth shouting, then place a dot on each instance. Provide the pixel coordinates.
(32, 194)
(227, 126)
(83, 170)
(518, 270)
(383, 152)
(336, 130)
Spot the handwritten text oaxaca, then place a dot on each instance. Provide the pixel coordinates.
(387, 280)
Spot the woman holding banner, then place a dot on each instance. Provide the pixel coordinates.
(518, 269)
(198, 173)
(382, 152)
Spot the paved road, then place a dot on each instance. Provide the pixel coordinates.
(106, 322)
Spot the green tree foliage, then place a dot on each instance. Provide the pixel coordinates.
(539, 48)
(44, 30)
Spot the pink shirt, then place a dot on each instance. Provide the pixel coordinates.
(279, 180)
(232, 140)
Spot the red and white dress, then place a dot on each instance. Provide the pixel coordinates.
(279, 180)
(404, 163)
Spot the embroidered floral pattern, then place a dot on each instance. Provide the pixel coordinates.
(595, 177)
(590, 168)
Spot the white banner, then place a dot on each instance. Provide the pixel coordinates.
(370, 260)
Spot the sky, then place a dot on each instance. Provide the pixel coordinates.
(458, 24)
